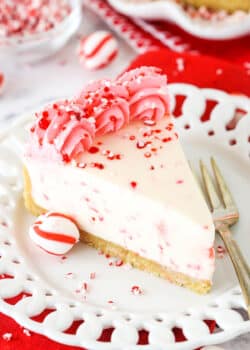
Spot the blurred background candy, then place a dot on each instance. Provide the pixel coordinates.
(98, 49)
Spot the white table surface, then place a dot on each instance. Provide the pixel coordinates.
(31, 85)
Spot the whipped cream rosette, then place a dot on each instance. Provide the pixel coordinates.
(148, 93)
(108, 103)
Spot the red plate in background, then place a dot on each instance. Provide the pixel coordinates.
(202, 71)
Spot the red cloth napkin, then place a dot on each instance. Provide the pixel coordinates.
(236, 50)
(21, 339)
(201, 71)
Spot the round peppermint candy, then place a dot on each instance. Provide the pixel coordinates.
(55, 233)
(98, 50)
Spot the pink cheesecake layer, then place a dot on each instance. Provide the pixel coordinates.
(133, 188)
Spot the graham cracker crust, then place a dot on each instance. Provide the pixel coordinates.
(127, 256)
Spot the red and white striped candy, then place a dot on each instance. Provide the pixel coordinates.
(98, 50)
(55, 233)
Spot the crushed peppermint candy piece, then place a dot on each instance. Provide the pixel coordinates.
(149, 122)
(92, 275)
(81, 165)
(136, 290)
(7, 336)
(26, 332)
(115, 262)
(118, 263)
(221, 251)
(70, 275)
(112, 304)
(85, 287)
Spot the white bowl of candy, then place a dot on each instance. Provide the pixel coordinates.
(35, 29)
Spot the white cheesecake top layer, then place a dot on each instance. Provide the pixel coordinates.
(151, 163)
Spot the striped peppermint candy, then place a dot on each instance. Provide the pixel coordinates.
(98, 50)
(55, 233)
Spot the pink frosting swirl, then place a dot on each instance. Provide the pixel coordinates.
(148, 93)
(65, 127)
(108, 103)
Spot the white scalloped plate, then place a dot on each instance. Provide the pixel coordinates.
(162, 306)
(230, 27)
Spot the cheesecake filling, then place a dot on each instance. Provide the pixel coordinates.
(120, 215)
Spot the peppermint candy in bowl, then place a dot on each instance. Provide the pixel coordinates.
(97, 50)
(35, 29)
(55, 233)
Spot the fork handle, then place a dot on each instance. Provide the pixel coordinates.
(240, 265)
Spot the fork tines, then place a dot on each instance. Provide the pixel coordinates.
(224, 199)
(223, 188)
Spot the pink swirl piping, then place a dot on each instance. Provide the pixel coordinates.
(68, 128)
(148, 93)
(64, 126)
(108, 103)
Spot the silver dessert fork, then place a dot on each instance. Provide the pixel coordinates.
(226, 214)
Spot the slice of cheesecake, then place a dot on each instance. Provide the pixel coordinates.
(112, 160)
